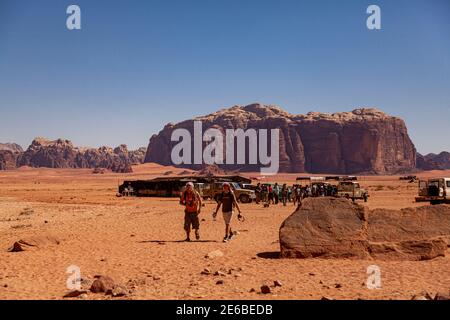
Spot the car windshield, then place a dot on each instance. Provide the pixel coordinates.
(235, 185)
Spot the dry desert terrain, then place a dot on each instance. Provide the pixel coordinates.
(137, 242)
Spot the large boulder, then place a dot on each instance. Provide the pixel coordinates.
(338, 228)
(363, 140)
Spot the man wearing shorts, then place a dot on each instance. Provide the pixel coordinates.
(228, 201)
(192, 201)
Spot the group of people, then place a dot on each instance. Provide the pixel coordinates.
(266, 193)
(275, 194)
(192, 201)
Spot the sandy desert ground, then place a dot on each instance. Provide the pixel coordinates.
(137, 242)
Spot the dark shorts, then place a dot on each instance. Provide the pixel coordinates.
(191, 219)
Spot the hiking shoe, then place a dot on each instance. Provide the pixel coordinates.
(188, 240)
(230, 237)
(225, 239)
(197, 235)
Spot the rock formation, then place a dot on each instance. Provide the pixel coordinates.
(338, 228)
(63, 154)
(433, 161)
(13, 147)
(8, 160)
(9, 153)
(364, 140)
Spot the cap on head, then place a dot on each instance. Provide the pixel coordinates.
(189, 184)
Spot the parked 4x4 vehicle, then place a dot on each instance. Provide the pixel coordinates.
(214, 190)
(352, 190)
(435, 191)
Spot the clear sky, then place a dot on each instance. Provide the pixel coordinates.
(137, 65)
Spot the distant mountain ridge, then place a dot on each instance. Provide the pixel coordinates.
(433, 161)
(63, 154)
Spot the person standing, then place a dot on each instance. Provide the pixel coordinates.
(276, 192)
(270, 194)
(192, 201)
(228, 201)
(284, 194)
(258, 193)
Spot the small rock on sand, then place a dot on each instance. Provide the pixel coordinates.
(74, 294)
(37, 242)
(102, 284)
(206, 272)
(265, 289)
(442, 296)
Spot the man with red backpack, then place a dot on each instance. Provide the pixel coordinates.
(192, 201)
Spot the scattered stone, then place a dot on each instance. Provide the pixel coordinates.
(419, 297)
(277, 283)
(252, 290)
(237, 275)
(220, 273)
(102, 284)
(265, 289)
(33, 243)
(427, 295)
(338, 285)
(156, 278)
(74, 293)
(119, 291)
(325, 298)
(214, 254)
(442, 296)
(312, 274)
(220, 282)
(206, 272)
(27, 212)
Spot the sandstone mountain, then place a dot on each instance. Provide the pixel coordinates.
(63, 154)
(360, 141)
(433, 161)
(13, 147)
(9, 153)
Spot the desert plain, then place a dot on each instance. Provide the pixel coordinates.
(138, 242)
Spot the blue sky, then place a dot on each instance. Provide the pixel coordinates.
(137, 65)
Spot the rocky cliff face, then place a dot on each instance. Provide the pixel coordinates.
(433, 161)
(9, 153)
(364, 140)
(63, 154)
(13, 147)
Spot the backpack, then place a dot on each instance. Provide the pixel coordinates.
(190, 201)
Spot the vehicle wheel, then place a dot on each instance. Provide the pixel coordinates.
(435, 202)
(244, 198)
(365, 198)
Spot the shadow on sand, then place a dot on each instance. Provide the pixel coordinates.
(269, 255)
(176, 241)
